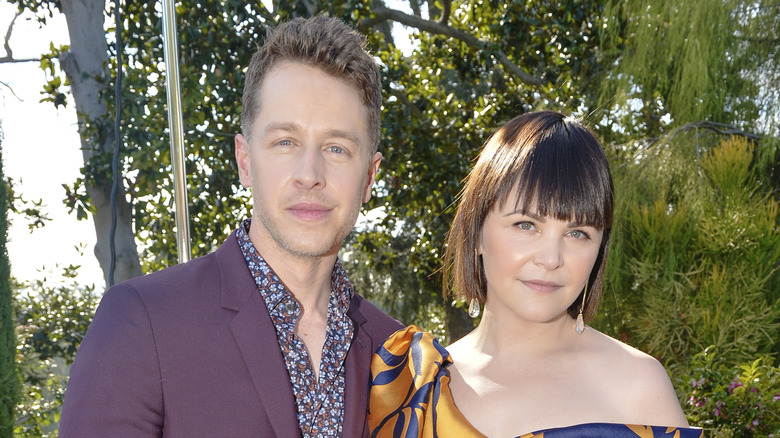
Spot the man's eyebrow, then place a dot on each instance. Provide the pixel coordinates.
(296, 127)
(346, 135)
(282, 126)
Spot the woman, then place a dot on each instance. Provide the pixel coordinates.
(529, 241)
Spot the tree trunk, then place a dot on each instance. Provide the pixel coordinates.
(85, 66)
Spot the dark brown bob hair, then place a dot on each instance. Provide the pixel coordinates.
(547, 159)
(321, 42)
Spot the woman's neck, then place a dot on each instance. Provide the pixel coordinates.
(502, 336)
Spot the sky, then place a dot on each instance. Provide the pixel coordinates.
(41, 152)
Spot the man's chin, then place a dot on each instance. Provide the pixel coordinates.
(304, 241)
(311, 249)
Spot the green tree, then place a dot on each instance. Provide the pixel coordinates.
(682, 61)
(81, 70)
(51, 320)
(9, 380)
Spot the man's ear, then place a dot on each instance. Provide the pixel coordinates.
(243, 161)
(373, 168)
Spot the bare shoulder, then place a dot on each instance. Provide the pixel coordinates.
(639, 382)
(624, 356)
(462, 348)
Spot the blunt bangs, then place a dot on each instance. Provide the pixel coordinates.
(559, 168)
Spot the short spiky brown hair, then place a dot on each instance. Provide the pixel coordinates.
(321, 42)
(548, 159)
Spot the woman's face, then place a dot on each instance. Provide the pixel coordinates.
(535, 266)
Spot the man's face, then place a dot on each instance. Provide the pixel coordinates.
(308, 161)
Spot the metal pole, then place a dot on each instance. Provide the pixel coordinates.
(176, 130)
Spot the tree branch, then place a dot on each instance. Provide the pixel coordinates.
(11, 90)
(11, 60)
(767, 41)
(719, 128)
(445, 12)
(7, 43)
(415, 5)
(9, 57)
(381, 14)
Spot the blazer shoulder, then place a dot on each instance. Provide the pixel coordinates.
(378, 324)
(206, 272)
(187, 272)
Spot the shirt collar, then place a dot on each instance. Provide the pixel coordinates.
(281, 305)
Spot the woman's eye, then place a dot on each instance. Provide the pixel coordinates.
(577, 234)
(525, 226)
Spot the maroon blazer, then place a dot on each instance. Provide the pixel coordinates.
(191, 351)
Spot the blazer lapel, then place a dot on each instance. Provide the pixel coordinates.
(356, 378)
(255, 336)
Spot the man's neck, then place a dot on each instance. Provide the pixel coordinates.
(307, 278)
(309, 281)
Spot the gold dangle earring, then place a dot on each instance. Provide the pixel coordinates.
(579, 326)
(474, 303)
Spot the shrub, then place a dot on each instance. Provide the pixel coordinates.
(734, 401)
(51, 322)
(695, 253)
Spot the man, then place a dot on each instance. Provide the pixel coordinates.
(264, 337)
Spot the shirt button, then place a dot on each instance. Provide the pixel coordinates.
(290, 306)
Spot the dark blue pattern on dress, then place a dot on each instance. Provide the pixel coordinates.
(416, 402)
(320, 403)
(599, 430)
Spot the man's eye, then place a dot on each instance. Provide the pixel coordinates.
(336, 149)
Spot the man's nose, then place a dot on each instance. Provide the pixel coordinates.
(309, 170)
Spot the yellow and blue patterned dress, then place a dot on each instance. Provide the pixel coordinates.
(410, 397)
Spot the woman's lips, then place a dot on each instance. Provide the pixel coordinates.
(541, 286)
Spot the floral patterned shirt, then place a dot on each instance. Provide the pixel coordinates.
(320, 402)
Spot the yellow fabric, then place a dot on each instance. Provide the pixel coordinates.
(410, 393)
(410, 398)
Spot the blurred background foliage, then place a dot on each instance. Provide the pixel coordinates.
(683, 94)
(51, 320)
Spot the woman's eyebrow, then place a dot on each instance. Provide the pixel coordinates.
(574, 224)
(532, 215)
